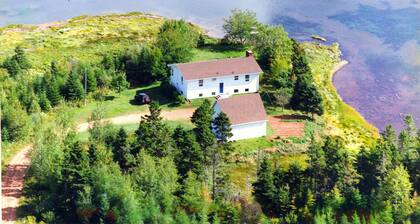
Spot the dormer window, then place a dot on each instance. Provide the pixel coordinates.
(200, 82)
(246, 78)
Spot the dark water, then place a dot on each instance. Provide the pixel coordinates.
(380, 38)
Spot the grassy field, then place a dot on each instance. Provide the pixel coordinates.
(340, 118)
(84, 38)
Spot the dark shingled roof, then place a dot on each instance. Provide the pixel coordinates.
(217, 68)
(243, 108)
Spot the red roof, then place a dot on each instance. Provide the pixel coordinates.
(217, 68)
(243, 108)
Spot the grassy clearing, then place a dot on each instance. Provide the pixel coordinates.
(214, 51)
(339, 117)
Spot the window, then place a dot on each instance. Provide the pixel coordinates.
(182, 79)
(246, 78)
(246, 90)
(200, 94)
(213, 79)
(235, 90)
(236, 77)
(200, 82)
(213, 93)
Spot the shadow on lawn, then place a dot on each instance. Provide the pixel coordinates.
(292, 117)
(155, 94)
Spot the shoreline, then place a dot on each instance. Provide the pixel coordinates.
(369, 127)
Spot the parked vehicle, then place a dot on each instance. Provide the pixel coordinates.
(142, 98)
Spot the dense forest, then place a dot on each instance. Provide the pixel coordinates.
(162, 175)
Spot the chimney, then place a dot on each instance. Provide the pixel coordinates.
(248, 53)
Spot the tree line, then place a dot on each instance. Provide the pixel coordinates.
(378, 185)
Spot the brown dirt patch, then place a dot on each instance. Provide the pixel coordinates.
(283, 127)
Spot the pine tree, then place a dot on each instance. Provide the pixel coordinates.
(152, 134)
(188, 156)
(344, 219)
(44, 103)
(74, 88)
(91, 79)
(121, 150)
(222, 127)
(202, 118)
(264, 189)
(194, 197)
(300, 65)
(76, 174)
(306, 97)
(396, 188)
(20, 58)
(53, 92)
(355, 218)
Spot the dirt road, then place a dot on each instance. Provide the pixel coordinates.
(12, 184)
(135, 118)
(14, 176)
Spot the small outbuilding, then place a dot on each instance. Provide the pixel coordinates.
(246, 114)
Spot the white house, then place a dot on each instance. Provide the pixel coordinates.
(216, 77)
(246, 113)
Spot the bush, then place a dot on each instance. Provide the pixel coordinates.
(279, 97)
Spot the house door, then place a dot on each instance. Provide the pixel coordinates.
(221, 87)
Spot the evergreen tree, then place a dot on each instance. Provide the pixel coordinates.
(91, 79)
(194, 197)
(317, 169)
(396, 188)
(188, 156)
(73, 90)
(20, 58)
(44, 103)
(53, 92)
(306, 97)
(121, 149)
(264, 189)
(355, 218)
(157, 180)
(17, 62)
(152, 134)
(76, 173)
(202, 119)
(344, 219)
(300, 65)
(222, 127)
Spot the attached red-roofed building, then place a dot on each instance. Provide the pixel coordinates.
(246, 113)
(217, 77)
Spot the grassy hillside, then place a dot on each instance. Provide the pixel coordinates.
(340, 118)
(83, 37)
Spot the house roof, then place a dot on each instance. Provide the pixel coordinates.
(218, 68)
(243, 108)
